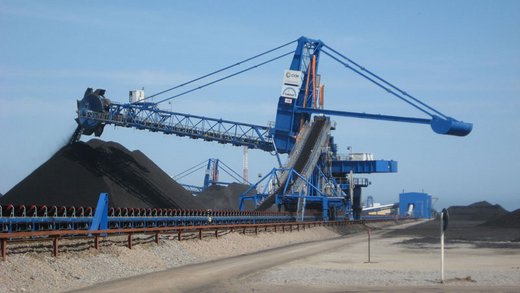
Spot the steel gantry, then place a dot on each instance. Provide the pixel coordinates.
(312, 153)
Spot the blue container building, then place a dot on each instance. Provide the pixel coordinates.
(415, 204)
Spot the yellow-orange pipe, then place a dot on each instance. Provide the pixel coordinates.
(314, 81)
(322, 97)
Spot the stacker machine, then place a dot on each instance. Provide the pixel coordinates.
(315, 177)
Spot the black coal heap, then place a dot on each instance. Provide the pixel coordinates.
(77, 173)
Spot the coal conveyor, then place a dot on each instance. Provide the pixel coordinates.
(315, 177)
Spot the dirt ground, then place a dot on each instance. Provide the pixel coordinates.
(341, 265)
(319, 259)
(398, 265)
(32, 268)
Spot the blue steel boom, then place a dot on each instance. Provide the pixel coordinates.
(149, 116)
(95, 111)
(315, 162)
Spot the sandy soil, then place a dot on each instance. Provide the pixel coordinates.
(335, 265)
(396, 265)
(315, 260)
(31, 268)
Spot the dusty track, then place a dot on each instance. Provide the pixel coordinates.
(335, 265)
(203, 276)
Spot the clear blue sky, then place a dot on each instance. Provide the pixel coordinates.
(461, 57)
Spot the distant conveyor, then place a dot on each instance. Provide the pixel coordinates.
(303, 158)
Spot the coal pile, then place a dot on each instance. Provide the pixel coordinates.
(509, 220)
(479, 211)
(224, 197)
(481, 224)
(77, 173)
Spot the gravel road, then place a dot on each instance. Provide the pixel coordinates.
(337, 264)
(314, 260)
(31, 268)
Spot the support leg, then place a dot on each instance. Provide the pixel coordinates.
(4, 249)
(96, 242)
(55, 247)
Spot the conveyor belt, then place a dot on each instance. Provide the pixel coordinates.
(303, 160)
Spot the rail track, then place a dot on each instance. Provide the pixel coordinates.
(95, 237)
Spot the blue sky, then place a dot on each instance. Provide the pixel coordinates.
(460, 57)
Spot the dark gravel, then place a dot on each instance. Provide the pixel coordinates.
(479, 211)
(223, 197)
(509, 220)
(480, 224)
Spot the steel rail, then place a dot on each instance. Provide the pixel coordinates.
(56, 235)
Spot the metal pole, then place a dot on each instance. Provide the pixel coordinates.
(4, 249)
(351, 192)
(368, 230)
(442, 249)
(245, 165)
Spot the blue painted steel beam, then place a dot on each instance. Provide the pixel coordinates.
(340, 168)
(148, 116)
(193, 188)
(448, 126)
(12, 224)
(364, 115)
(100, 220)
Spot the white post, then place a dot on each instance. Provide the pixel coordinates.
(245, 165)
(304, 198)
(368, 230)
(351, 191)
(442, 248)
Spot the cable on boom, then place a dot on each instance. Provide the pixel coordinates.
(220, 70)
(226, 77)
(192, 169)
(361, 68)
(236, 176)
(377, 83)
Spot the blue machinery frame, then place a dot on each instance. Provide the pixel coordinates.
(95, 111)
(212, 166)
(102, 219)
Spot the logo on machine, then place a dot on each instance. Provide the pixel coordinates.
(290, 92)
(289, 74)
(292, 82)
(293, 77)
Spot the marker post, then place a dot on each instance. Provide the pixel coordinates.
(444, 227)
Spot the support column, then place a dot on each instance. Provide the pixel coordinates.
(4, 248)
(130, 241)
(96, 242)
(55, 247)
